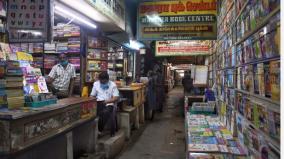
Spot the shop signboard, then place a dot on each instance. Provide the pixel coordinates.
(182, 48)
(177, 20)
(113, 9)
(29, 20)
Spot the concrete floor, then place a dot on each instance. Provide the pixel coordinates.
(162, 138)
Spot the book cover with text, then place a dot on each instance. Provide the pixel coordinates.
(260, 76)
(267, 79)
(275, 80)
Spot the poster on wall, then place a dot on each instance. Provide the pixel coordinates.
(177, 20)
(182, 48)
(28, 21)
(200, 75)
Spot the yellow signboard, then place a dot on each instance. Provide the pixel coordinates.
(177, 20)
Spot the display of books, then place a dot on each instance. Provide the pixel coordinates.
(255, 52)
(97, 54)
(92, 76)
(203, 148)
(49, 48)
(210, 135)
(97, 43)
(16, 102)
(206, 156)
(64, 30)
(75, 61)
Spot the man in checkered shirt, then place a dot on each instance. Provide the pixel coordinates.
(61, 78)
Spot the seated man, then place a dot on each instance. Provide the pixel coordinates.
(61, 78)
(107, 95)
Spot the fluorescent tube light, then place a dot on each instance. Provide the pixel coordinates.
(68, 13)
(85, 8)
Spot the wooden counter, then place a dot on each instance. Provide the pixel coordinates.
(22, 129)
(135, 95)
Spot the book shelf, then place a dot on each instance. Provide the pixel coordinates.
(245, 67)
(117, 61)
(66, 39)
(96, 59)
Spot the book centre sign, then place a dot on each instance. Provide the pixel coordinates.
(178, 20)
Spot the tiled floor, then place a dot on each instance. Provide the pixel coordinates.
(163, 138)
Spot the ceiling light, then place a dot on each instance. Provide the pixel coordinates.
(86, 9)
(135, 45)
(68, 13)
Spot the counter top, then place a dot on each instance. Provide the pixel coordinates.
(129, 88)
(6, 114)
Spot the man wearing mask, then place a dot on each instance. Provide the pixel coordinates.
(61, 78)
(107, 95)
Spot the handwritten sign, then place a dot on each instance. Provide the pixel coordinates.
(28, 20)
(177, 20)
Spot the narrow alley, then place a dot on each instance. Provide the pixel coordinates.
(163, 138)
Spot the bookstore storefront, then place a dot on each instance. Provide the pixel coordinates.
(34, 37)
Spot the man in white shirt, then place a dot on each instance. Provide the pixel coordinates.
(61, 78)
(107, 95)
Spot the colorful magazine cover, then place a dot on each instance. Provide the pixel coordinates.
(275, 80)
(267, 80)
(248, 110)
(261, 81)
(263, 118)
(202, 140)
(255, 79)
(203, 148)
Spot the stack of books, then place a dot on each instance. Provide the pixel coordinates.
(208, 134)
(74, 45)
(62, 47)
(71, 30)
(37, 47)
(50, 61)
(75, 61)
(49, 48)
(66, 30)
(38, 62)
(14, 85)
